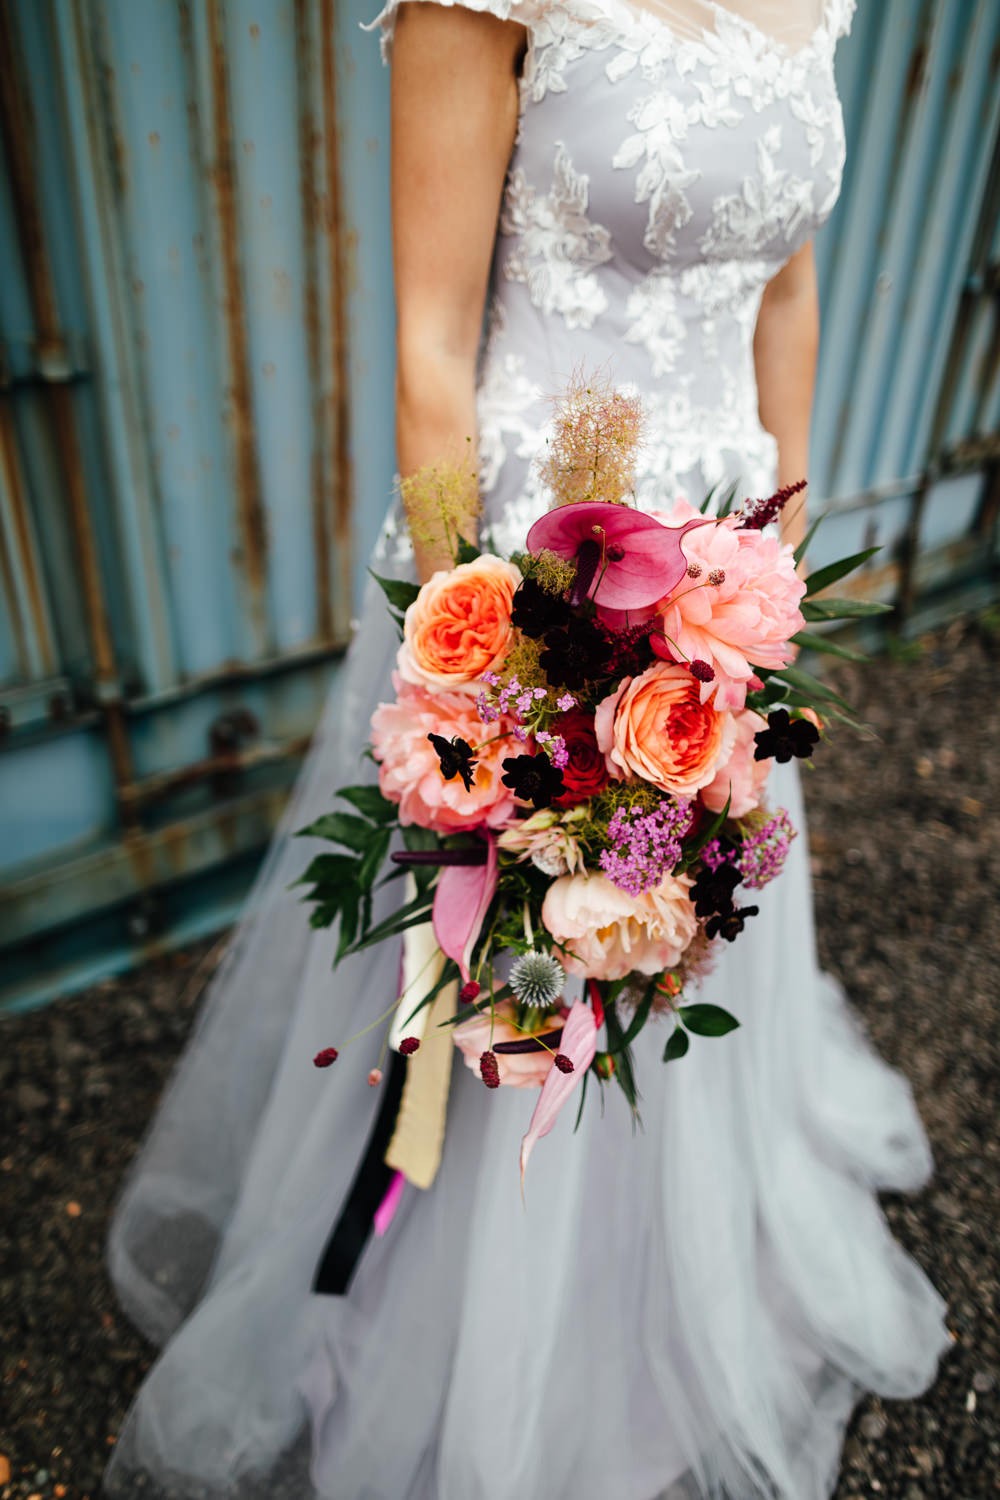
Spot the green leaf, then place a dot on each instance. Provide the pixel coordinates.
(583, 1095)
(399, 592)
(330, 870)
(466, 551)
(842, 609)
(703, 507)
(823, 577)
(371, 860)
(705, 837)
(341, 828)
(624, 1067)
(449, 974)
(809, 641)
(641, 1015)
(370, 803)
(803, 546)
(707, 1020)
(806, 683)
(726, 503)
(324, 913)
(349, 921)
(409, 915)
(677, 1045)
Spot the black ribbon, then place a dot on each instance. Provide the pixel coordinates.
(350, 1233)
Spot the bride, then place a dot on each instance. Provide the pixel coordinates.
(687, 1311)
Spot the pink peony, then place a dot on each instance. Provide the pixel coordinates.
(605, 933)
(744, 619)
(519, 1070)
(409, 769)
(741, 777)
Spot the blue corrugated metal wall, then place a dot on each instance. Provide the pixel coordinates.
(195, 384)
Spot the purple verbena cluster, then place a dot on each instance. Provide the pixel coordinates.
(760, 856)
(510, 698)
(523, 705)
(643, 846)
(765, 851)
(554, 746)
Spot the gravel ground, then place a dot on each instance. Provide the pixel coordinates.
(907, 921)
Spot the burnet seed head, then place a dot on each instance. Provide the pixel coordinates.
(537, 978)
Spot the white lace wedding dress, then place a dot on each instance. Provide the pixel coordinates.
(687, 1311)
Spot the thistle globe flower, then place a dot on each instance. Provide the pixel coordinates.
(537, 979)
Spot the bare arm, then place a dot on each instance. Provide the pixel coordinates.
(785, 347)
(454, 115)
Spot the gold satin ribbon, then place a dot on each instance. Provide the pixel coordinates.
(418, 1139)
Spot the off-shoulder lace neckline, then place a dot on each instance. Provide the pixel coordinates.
(646, 16)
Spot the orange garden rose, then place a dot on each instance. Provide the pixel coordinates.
(656, 727)
(459, 626)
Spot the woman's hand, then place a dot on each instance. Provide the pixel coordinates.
(454, 116)
(786, 342)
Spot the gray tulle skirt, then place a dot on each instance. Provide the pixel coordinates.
(689, 1309)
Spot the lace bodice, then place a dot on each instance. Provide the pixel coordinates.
(658, 180)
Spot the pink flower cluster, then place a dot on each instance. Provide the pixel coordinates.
(643, 846)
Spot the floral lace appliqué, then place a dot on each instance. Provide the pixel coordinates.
(556, 244)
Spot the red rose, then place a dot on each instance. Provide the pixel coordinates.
(585, 773)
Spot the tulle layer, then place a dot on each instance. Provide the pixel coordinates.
(685, 1310)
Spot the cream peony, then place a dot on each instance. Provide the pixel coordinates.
(604, 933)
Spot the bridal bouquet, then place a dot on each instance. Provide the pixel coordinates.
(575, 764)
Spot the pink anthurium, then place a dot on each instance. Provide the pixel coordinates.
(461, 901)
(625, 559)
(579, 1043)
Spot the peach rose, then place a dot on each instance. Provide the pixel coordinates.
(410, 771)
(605, 933)
(519, 1070)
(741, 777)
(458, 627)
(656, 727)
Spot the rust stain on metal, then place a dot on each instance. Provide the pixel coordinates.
(15, 126)
(221, 771)
(917, 70)
(249, 497)
(340, 415)
(26, 561)
(309, 143)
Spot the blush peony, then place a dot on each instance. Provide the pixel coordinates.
(657, 728)
(459, 626)
(741, 777)
(747, 619)
(605, 933)
(410, 771)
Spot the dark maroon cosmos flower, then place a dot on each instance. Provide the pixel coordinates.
(533, 778)
(785, 737)
(535, 610)
(457, 758)
(729, 924)
(713, 890)
(575, 656)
